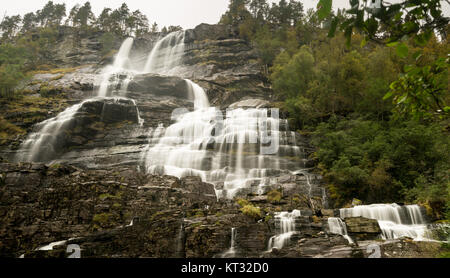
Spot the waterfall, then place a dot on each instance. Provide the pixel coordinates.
(167, 54)
(230, 152)
(181, 241)
(232, 251)
(43, 144)
(198, 94)
(338, 227)
(286, 223)
(395, 221)
(120, 62)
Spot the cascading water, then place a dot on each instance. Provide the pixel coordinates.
(395, 221)
(232, 251)
(226, 152)
(338, 227)
(167, 54)
(239, 152)
(117, 71)
(42, 145)
(198, 94)
(286, 221)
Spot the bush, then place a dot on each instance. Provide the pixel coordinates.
(274, 196)
(252, 211)
(242, 202)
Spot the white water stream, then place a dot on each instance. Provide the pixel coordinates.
(395, 221)
(286, 221)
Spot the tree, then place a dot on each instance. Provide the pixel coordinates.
(29, 22)
(291, 75)
(237, 13)
(154, 28)
(259, 10)
(104, 20)
(12, 60)
(137, 23)
(10, 27)
(72, 18)
(51, 14)
(59, 12)
(45, 15)
(85, 16)
(296, 11)
(424, 97)
(172, 28)
(123, 13)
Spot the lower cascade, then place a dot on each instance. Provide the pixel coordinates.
(338, 227)
(286, 225)
(395, 221)
(230, 153)
(230, 253)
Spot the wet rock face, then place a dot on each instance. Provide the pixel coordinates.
(110, 111)
(41, 204)
(363, 228)
(159, 85)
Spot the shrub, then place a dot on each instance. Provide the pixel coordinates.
(242, 202)
(274, 196)
(252, 211)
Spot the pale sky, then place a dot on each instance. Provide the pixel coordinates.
(186, 13)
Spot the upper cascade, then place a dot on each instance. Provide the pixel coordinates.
(167, 54)
(44, 144)
(120, 65)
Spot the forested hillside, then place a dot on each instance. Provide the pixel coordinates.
(376, 106)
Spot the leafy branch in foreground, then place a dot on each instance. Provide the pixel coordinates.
(421, 91)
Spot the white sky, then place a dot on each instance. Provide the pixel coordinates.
(186, 13)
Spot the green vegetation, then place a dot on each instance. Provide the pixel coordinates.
(252, 211)
(369, 85)
(102, 219)
(446, 251)
(248, 209)
(384, 161)
(274, 196)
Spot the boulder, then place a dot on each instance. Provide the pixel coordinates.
(195, 185)
(363, 228)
